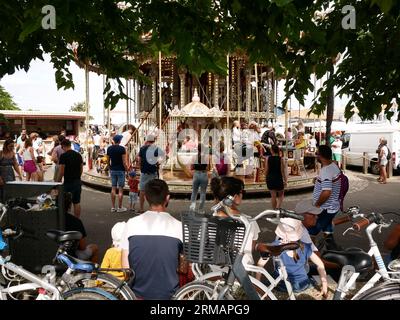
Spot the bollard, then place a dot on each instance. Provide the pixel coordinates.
(344, 161)
(365, 163)
(389, 169)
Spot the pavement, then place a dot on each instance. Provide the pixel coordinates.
(364, 191)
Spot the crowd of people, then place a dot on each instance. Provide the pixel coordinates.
(151, 243)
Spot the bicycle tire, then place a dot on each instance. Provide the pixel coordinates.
(88, 294)
(385, 291)
(108, 283)
(197, 291)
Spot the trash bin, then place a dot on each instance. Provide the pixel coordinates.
(34, 250)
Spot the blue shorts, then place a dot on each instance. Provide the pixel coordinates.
(20, 160)
(117, 179)
(324, 223)
(144, 178)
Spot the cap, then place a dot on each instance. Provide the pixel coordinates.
(116, 233)
(150, 138)
(289, 230)
(117, 138)
(306, 206)
(132, 173)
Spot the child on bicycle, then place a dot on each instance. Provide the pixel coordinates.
(296, 261)
(113, 256)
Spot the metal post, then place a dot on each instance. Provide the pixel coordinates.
(389, 169)
(127, 102)
(257, 97)
(344, 160)
(159, 89)
(227, 92)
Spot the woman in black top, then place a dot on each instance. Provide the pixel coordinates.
(200, 179)
(276, 177)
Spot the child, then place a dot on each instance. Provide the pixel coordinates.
(40, 162)
(296, 261)
(113, 256)
(133, 183)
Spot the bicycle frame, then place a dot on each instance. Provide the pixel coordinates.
(352, 276)
(36, 282)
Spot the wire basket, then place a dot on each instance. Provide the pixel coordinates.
(211, 240)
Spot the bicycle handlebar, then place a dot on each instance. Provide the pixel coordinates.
(341, 220)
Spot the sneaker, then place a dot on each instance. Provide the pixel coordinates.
(122, 209)
(113, 210)
(132, 210)
(192, 206)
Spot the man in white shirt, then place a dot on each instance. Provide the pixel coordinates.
(326, 192)
(151, 244)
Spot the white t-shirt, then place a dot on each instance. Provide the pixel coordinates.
(327, 180)
(126, 137)
(384, 152)
(97, 140)
(236, 136)
(337, 146)
(312, 143)
(248, 250)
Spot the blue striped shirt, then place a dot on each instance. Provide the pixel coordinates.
(328, 179)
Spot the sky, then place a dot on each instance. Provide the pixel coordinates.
(37, 90)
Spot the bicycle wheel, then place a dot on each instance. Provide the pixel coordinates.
(88, 294)
(385, 291)
(106, 282)
(198, 291)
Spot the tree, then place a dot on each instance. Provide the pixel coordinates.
(296, 37)
(80, 107)
(6, 101)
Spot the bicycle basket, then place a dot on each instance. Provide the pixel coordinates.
(211, 240)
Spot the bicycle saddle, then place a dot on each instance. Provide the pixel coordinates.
(63, 236)
(360, 260)
(276, 250)
(76, 264)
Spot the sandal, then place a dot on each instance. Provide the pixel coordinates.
(382, 182)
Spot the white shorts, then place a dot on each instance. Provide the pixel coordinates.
(384, 161)
(133, 197)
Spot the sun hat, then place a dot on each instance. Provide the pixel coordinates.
(116, 233)
(306, 206)
(117, 138)
(289, 230)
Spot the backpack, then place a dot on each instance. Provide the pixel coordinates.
(389, 155)
(344, 187)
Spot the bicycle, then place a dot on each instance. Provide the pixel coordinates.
(17, 283)
(221, 241)
(79, 273)
(357, 262)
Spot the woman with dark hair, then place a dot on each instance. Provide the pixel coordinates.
(200, 178)
(8, 163)
(275, 176)
(231, 186)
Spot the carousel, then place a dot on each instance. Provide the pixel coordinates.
(177, 105)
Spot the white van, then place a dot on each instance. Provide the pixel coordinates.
(365, 138)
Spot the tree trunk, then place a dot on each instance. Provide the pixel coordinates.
(330, 106)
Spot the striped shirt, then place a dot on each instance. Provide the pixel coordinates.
(328, 179)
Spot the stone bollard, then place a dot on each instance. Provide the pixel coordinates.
(365, 163)
(344, 160)
(389, 169)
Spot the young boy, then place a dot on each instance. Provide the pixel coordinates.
(133, 183)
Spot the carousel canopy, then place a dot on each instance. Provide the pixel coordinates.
(196, 109)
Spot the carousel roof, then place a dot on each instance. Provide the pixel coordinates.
(196, 109)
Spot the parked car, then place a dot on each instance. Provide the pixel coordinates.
(365, 138)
